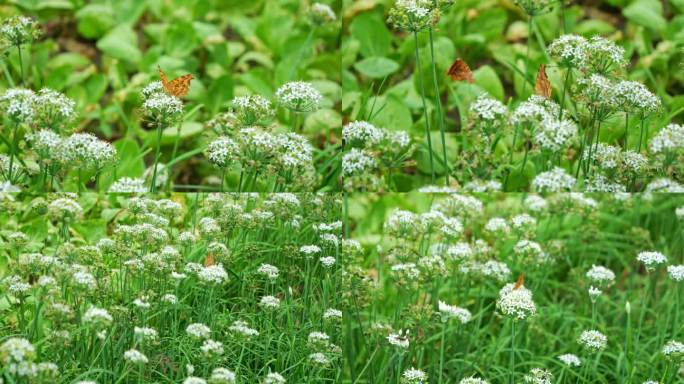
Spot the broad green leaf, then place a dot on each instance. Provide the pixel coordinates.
(647, 13)
(121, 43)
(372, 34)
(376, 67)
(94, 20)
(487, 78)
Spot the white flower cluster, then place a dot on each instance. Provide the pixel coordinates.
(86, 151)
(414, 376)
(601, 275)
(448, 312)
(413, 15)
(570, 360)
(18, 30)
(128, 185)
(664, 185)
(676, 272)
(555, 180)
(668, 139)
(488, 109)
(299, 96)
(159, 105)
(634, 97)
(596, 55)
(538, 376)
(252, 110)
(593, 340)
(516, 302)
(553, 134)
(322, 13)
(651, 259)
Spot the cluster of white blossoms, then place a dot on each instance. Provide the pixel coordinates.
(473, 380)
(86, 151)
(488, 110)
(286, 155)
(252, 110)
(128, 185)
(676, 272)
(538, 376)
(399, 339)
(414, 376)
(322, 14)
(47, 109)
(601, 275)
(554, 135)
(19, 30)
(371, 152)
(299, 96)
(668, 139)
(674, 350)
(413, 15)
(593, 340)
(448, 312)
(160, 106)
(595, 55)
(651, 260)
(555, 180)
(664, 185)
(570, 360)
(516, 302)
(134, 356)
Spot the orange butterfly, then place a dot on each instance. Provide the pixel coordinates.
(459, 71)
(209, 261)
(177, 87)
(520, 282)
(542, 86)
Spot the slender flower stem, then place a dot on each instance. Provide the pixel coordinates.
(440, 113)
(12, 152)
(624, 138)
(21, 66)
(527, 52)
(641, 135)
(511, 361)
(153, 186)
(565, 88)
(441, 352)
(419, 73)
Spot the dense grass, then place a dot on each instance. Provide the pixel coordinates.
(126, 255)
(639, 312)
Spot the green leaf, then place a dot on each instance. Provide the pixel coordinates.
(188, 129)
(487, 78)
(94, 20)
(372, 33)
(647, 13)
(376, 67)
(130, 162)
(180, 39)
(121, 43)
(393, 113)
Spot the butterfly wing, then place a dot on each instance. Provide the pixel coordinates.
(542, 85)
(179, 87)
(209, 260)
(521, 281)
(459, 71)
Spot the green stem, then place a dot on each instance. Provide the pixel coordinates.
(419, 73)
(511, 362)
(624, 138)
(153, 186)
(441, 352)
(440, 114)
(641, 135)
(527, 52)
(565, 87)
(21, 66)
(12, 152)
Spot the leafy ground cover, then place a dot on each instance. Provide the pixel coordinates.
(515, 95)
(191, 288)
(513, 288)
(82, 106)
